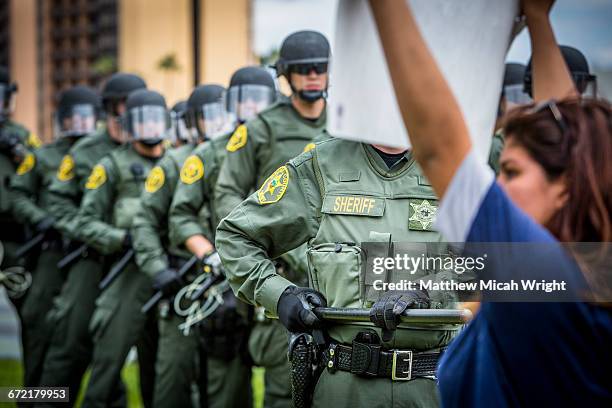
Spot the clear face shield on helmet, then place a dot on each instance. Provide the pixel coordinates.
(516, 96)
(7, 100)
(244, 102)
(211, 120)
(586, 84)
(148, 124)
(78, 120)
(178, 128)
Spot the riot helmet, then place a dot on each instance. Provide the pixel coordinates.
(206, 114)
(116, 90)
(585, 82)
(178, 124)
(78, 110)
(251, 90)
(146, 118)
(7, 94)
(301, 53)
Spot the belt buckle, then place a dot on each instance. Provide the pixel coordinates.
(399, 357)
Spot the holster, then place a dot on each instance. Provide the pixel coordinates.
(304, 372)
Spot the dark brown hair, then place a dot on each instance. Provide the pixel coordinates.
(578, 148)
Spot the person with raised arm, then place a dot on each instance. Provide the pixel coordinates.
(555, 186)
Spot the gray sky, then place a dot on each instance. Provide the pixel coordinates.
(585, 24)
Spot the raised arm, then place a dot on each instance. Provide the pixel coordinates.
(431, 114)
(551, 76)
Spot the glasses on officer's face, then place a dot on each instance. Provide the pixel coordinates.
(551, 105)
(305, 69)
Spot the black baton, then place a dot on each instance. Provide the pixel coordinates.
(412, 316)
(69, 259)
(117, 269)
(30, 245)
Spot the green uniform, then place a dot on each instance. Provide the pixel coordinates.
(334, 197)
(30, 187)
(497, 145)
(255, 150)
(109, 205)
(176, 364)
(12, 233)
(192, 213)
(70, 349)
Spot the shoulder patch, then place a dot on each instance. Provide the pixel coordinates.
(27, 164)
(65, 170)
(274, 187)
(308, 147)
(96, 178)
(33, 140)
(238, 139)
(193, 170)
(155, 179)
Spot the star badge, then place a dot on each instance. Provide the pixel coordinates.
(423, 215)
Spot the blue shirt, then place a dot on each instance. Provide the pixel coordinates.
(519, 354)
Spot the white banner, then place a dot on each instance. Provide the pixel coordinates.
(469, 40)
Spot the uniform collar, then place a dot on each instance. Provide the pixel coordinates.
(381, 167)
(312, 123)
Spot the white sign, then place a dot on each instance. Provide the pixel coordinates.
(468, 39)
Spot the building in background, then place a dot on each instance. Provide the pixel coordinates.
(51, 45)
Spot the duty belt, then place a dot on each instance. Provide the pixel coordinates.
(371, 360)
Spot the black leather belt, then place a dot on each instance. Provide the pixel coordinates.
(371, 360)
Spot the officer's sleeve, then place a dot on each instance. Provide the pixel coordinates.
(64, 194)
(96, 209)
(25, 184)
(275, 219)
(497, 145)
(238, 173)
(148, 222)
(188, 199)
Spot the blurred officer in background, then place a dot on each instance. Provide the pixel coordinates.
(77, 113)
(176, 363)
(14, 141)
(512, 95)
(586, 83)
(110, 203)
(193, 223)
(71, 347)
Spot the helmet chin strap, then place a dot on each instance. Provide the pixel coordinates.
(309, 96)
(151, 142)
(312, 96)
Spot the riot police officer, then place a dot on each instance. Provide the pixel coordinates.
(110, 202)
(175, 367)
(15, 140)
(513, 94)
(70, 349)
(77, 112)
(334, 197)
(193, 223)
(254, 151)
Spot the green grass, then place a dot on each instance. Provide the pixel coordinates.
(11, 375)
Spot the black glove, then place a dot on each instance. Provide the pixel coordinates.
(387, 310)
(127, 241)
(168, 281)
(45, 224)
(295, 309)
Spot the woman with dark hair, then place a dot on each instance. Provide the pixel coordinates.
(555, 185)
